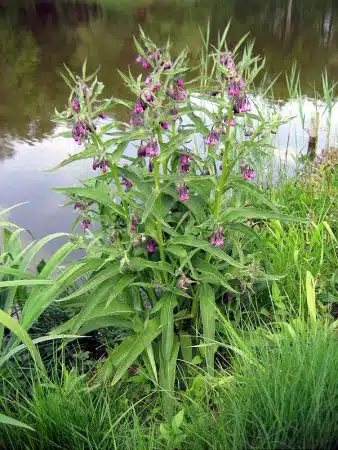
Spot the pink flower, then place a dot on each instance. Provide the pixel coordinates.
(85, 224)
(165, 125)
(128, 183)
(180, 82)
(166, 65)
(76, 104)
(247, 172)
(183, 192)
(152, 149)
(80, 131)
(230, 122)
(217, 237)
(140, 106)
(184, 163)
(156, 85)
(148, 80)
(212, 138)
(103, 115)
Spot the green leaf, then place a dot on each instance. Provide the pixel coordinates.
(256, 213)
(135, 347)
(5, 420)
(139, 264)
(191, 241)
(206, 297)
(19, 331)
(311, 297)
(186, 346)
(205, 268)
(177, 421)
(25, 283)
(176, 250)
(98, 194)
(122, 283)
(167, 322)
(148, 207)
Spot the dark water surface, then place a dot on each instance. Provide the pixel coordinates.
(37, 37)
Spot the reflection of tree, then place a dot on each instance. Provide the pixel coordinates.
(37, 37)
(6, 148)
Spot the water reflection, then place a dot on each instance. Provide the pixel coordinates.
(38, 36)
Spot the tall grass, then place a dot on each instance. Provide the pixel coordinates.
(285, 398)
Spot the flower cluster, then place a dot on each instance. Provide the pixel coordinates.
(80, 131)
(100, 164)
(177, 91)
(247, 171)
(236, 85)
(185, 161)
(183, 192)
(212, 138)
(217, 237)
(150, 149)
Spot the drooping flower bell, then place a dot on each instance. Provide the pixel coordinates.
(100, 164)
(80, 131)
(247, 172)
(177, 92)
(184, 163)
(76, 104)
(217, 237)
(141, 60)
(85, 224)
(127, 183)
(150, 167)
(140, 106)
(156, 85)
(241, 105)
(212, 138)
(165, 125)
(235, 86)
(152, 149)
(228, 62)
(133, 223)
(151, 246)
(183, 192)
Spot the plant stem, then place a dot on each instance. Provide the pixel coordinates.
(158, 201)
(119, 188)
(224, 175)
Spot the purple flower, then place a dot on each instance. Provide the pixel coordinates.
(212, 138)
(103, 115)
(242, 105)
(183, 192)
(177, 93)
(217, 237)
(230, 122)
(174, 112)
(156, 55)
(85, 224)
(165, 125)
(148, 95)
(180, 82)
(150, 166)
(152, 149)
(151, 246)
(128, 183)
(140, 106)
(247, 172)
(235, 86)
(148, 81)
(156, 85)
(184, 163)
(141, 152)
(133, 224)
(76, 104)
(141, 60)
(100, 164)
(80, 131)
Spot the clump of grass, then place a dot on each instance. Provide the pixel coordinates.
(284, 398)
(65, 414)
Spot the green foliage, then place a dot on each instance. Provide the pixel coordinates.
(164, 252)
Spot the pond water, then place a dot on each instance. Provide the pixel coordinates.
(37, 37)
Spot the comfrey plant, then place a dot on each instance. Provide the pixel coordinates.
(170, 204)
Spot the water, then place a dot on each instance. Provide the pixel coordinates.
(37, 37)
